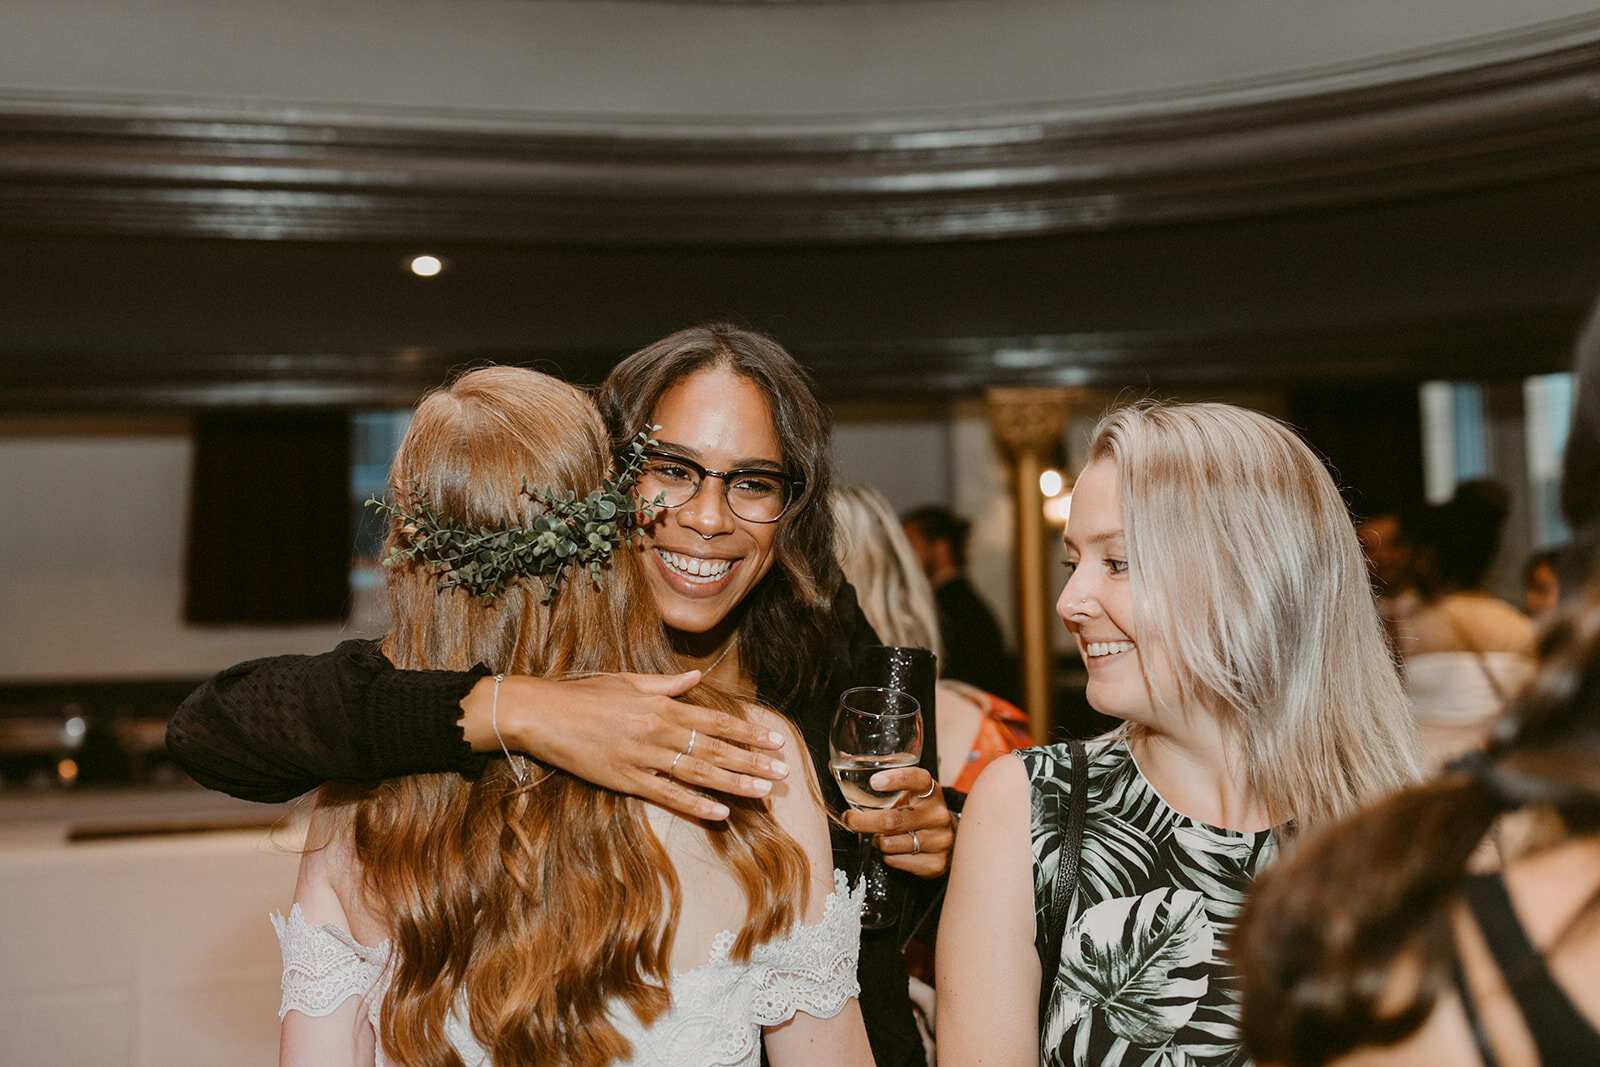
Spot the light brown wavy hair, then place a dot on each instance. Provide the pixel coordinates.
(536, 905)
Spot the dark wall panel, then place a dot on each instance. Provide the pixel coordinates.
(269, 519)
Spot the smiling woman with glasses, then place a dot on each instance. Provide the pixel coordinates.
(754, 494)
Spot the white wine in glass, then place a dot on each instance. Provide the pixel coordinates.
(875, 729)
(854, 775)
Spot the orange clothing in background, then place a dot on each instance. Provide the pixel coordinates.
(1004, 729)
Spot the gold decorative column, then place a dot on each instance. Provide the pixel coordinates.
(1027, 424)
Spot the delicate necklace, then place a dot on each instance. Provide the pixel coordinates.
(705, 672)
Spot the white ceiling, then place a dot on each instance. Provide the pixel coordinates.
(783, 63)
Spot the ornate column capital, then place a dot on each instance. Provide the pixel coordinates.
(1029, 420)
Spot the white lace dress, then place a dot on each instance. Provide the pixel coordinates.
(717, 1010)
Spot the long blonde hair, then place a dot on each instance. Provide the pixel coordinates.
(878, 561)
(541, 903)
(1247, 573)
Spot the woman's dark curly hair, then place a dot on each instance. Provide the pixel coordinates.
(784, 629)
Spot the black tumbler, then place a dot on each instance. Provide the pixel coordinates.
(910, 670)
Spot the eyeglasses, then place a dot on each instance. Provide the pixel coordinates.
(752, 495)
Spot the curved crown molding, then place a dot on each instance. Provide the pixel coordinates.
(1491, 111)
(1468, 347)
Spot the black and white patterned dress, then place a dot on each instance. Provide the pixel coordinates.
(1142, 980)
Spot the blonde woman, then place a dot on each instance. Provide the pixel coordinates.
(519, 914)
(1218, 597)
(974, 727)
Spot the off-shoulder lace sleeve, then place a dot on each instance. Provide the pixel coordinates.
(813, 968)
(323, 965)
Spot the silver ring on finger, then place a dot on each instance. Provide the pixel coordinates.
(931, 787)
(916, 846)
(672, 769)
(694, 735)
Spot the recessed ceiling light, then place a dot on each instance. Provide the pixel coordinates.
(426, 266)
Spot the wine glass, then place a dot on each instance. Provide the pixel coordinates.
(875, 729)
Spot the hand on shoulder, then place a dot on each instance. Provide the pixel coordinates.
(627, 732)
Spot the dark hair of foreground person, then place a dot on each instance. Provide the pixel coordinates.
(1355, 938)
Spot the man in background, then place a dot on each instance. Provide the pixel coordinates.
(974, 650)
(1388, 545)
(1541, 584)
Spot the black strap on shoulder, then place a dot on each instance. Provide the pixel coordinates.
(1066, 872)
(1470, 1010)
(1561, 1033)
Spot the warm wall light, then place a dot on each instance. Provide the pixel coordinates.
(1057, 492)
(426, 266)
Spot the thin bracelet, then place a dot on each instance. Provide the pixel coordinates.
(494, 724)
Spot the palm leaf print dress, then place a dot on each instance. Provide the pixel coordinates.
(1142, 980)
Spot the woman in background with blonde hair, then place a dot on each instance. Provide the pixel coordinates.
(1218, 596)
(520, 914)
(974, 727)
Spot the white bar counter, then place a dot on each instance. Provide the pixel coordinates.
(133, 927)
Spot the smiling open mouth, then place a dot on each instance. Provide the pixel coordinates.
(695, 570)
(1096, 649)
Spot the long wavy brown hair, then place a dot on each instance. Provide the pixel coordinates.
(532, 907)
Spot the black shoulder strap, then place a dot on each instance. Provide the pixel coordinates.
(1067, 871)
(1474, 1024)
(1561, 1033)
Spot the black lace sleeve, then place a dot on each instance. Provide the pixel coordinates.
(271, 729)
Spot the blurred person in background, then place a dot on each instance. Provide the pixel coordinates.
(975, 649)
(1385, 941)
(1219, 597)
(1387, 544)
(1466, 653)
(1541, 585)
(1382, 942)
(974, 727)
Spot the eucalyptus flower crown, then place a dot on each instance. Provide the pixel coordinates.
(484, 561)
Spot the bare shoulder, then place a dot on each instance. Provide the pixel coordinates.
(1553, 892)
(958, 706)
(766, 718)
(1469, 622)
(1000, 788)
(995, 822)
(796, 800)
(329, 886)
